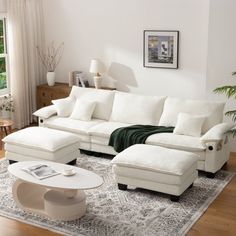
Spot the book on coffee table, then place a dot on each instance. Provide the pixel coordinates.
(41, 171)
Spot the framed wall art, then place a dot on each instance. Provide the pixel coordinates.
(160, 49)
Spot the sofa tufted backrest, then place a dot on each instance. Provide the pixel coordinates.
(213, 111)
(103, 98)
(137, 109)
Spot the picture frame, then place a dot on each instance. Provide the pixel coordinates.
(160, 48)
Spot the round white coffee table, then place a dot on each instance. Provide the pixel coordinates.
(59, 197)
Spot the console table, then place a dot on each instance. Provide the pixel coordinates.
(45, 93)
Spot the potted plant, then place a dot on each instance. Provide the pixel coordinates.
(6, 106)
(50, 59)
(230, 92)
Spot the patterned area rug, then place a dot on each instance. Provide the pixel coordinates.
(111, 212)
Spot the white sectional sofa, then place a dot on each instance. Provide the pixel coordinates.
(115, 109)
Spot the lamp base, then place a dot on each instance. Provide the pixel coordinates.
(97, 82)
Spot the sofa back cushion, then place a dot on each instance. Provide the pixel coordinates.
(137, 109)
(103, 98)
(213, 111)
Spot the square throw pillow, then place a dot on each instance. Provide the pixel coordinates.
(189, 125)
(64, 106)
(83, 110)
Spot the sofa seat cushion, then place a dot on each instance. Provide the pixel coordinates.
(175, 141)
(42, 139)
(71, 125)
(105, 129)
(160, 160)
(137, 109)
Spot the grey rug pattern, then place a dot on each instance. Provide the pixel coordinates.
(135, 212)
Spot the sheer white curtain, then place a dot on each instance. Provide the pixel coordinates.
(25, 31)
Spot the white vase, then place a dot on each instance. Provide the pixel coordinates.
(98, 82)
(51, 78)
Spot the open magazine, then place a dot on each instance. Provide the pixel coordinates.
(41, 171)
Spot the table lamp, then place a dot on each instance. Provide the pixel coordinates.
(97, 67)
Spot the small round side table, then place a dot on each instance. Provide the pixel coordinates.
(5, 128)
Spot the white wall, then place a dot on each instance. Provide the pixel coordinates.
(3, 6)
(113, 31)
(222, 50)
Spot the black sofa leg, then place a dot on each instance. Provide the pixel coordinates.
(11, 162)
(190, 186)
(174, 198)
(210, 175)
(72, 163)
(122, 186)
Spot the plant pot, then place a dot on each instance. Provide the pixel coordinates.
(5, 114)
(51, 78)
(98, 82)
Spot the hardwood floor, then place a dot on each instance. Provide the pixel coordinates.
(218, 220)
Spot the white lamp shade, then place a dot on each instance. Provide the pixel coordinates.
(97, 66)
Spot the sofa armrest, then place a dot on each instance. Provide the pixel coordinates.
(46, 112)
(216, 133)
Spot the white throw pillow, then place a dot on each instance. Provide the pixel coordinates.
(213, 111)
(83, 110)
(103, 98)
(189, 125)
(64, 106)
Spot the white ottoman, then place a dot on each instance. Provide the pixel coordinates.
(38, 143)
(155, 168)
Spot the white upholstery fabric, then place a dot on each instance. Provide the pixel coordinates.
(137, 109)
(173, 189)
(42, 138)
(176, 141)
(153, 175)
(105, 129)
(103, 99)
(39, 153)
(83, 110)
(19, 157)
(213, 111)
(46, 112)
(64, 106)
(217, 132)
(71, 125)
(161, 160)
(189, 125)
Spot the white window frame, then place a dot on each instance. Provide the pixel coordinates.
(5, 54)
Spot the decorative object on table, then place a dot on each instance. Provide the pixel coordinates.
(50, 59)
(97, 67)
(230, 92)
(71, 79)
(146, 212)
(160, 49)
(6, 106)
(80, 79)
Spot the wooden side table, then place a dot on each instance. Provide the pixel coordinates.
(5, 128)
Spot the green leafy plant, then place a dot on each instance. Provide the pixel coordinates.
(6, 103)
(230, 92)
